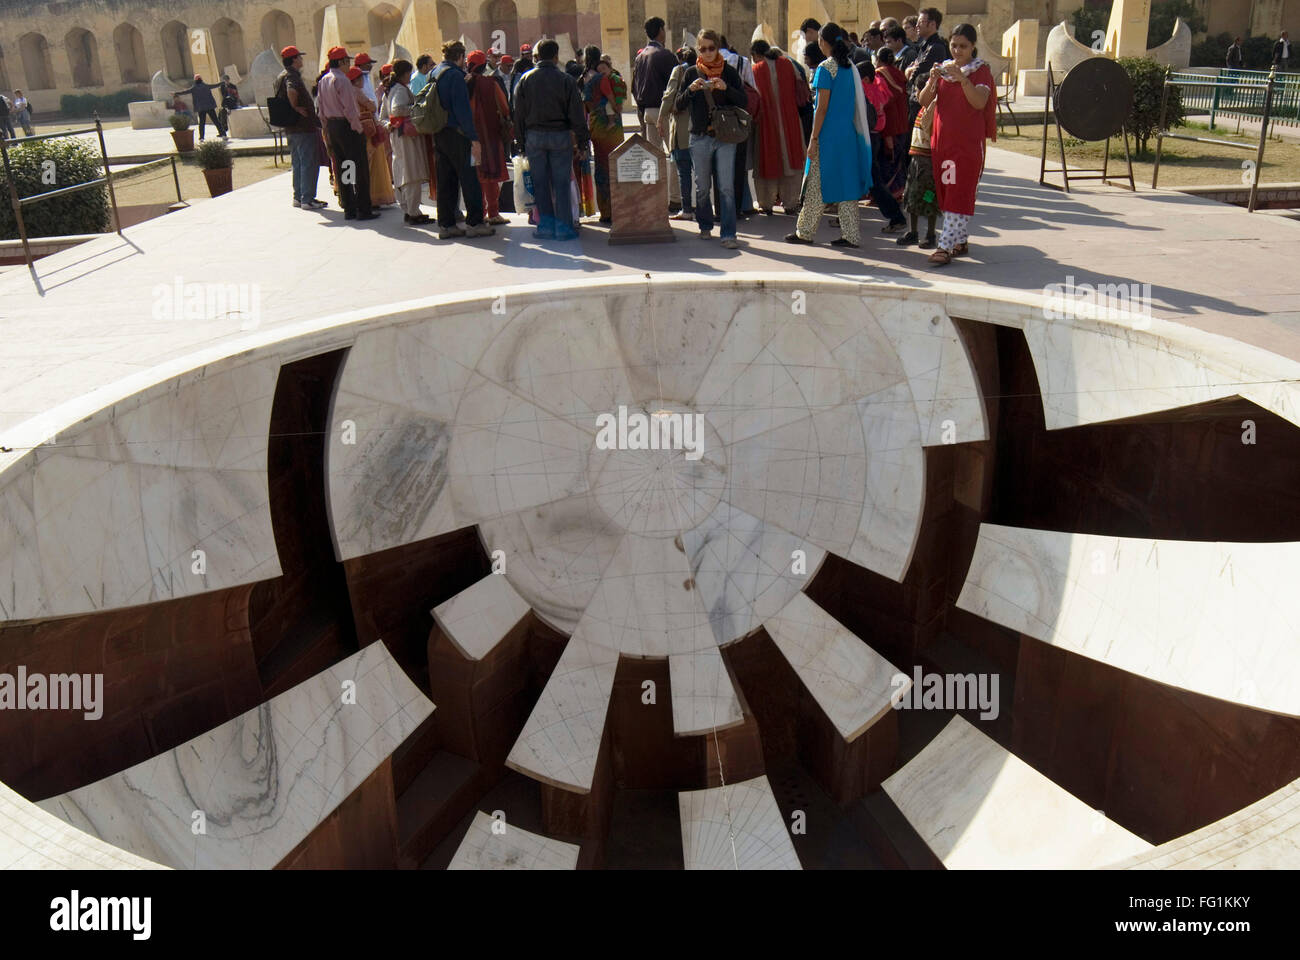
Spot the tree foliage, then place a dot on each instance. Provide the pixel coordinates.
(1160, 26)
(1148, 79)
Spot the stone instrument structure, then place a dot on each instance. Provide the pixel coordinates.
(442, 623)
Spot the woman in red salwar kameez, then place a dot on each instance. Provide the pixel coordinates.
(964, 118)
(492, 121)
(778, 168)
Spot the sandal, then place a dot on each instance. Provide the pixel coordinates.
(961, 250)
(940, 258)
(907, 239)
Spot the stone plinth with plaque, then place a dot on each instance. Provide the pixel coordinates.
(638, 188)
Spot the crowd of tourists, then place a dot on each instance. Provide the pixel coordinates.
(897, 118)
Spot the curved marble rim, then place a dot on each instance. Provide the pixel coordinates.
(996, 305)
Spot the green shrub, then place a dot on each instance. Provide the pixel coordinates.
(214, 155)
(72, 161)
(1148, 86)
(180, 121)
(83, 105)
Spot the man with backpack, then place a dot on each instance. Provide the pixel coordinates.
(456, 148)
(304, 133)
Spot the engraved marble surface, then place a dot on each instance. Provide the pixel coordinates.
(736, 827)
(849, 680)
(704, 697)
(109, 512)
(1217, 618)
(977, 805)
(32, 839)
(1262, 836)
(476, 619)
(264, 780)
(514, 849)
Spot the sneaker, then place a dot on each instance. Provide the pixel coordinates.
(907, 239)
(448, 233)
(316, 204)
(674, 206)
(480, 230)
(731, 243)
(296, 204)
(683, 215)
(706, 234)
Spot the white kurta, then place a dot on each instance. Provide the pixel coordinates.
(410, 154)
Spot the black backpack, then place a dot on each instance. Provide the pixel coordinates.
(279, 111)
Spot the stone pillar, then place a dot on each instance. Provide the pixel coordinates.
(203, 55)
(1020, 45)
(711, 15)
(614, 38)
(1126, 34)
(1266, 20)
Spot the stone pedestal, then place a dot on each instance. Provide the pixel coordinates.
(1032, 83)
(246, 123)
(148, 114)
(638, 188)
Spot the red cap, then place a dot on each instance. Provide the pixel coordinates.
(362, 59)
(197, 78)
(525, 48)
(386, 69)
(477, 58)
(354, 72)
(290, 51)
(337, 53)
(506, 59)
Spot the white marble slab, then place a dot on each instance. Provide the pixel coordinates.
(560, 742)
(979, 806)
(736, 827)
(1216, 618)
(1262, 836)
(704, 698)
(264, 780)
(478, 618)
(31, 839)
(849, 680)
(513, 849)
(109, 512)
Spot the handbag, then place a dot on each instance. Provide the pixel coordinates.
(729, 124)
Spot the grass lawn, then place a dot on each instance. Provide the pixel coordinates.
(1182, 164)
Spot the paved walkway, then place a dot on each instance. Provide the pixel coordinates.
(1211, 266)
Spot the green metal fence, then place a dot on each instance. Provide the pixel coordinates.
(1239, 95)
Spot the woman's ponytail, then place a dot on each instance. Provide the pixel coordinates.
(838, 40)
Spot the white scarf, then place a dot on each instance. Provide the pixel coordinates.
(860, 98)
(967, 70)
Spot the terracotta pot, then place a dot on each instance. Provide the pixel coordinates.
(184, 140)
(218, 180)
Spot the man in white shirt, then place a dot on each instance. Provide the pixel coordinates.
(423, 69)
(1282, 53)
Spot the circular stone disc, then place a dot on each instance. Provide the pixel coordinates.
(1094, 99)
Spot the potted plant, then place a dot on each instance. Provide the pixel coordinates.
(217, 162)
(182, 135)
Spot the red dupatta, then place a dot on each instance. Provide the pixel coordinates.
(778, 119)
(488, 103)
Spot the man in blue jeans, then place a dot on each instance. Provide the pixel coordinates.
(549, 121)
(304, 136)
(712, 78)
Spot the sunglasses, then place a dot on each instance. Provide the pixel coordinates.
(707, 49)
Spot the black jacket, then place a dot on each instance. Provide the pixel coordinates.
(547, 98)
(932, 52)
(697, 102)
(654, 65)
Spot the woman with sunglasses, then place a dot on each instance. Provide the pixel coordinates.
(712, 78)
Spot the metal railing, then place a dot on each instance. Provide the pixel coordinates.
(19, 202)
(1239, 95)
(1214, 88)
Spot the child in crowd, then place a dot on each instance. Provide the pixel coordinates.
(918, 196)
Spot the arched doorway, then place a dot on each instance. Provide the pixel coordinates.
(228, 45)
(37, 69)
(128, 43)
(176, 51)
(277, 31)
(83, 57)
(384, 22)
(448, 26)
(501, 26)
(897, 10)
